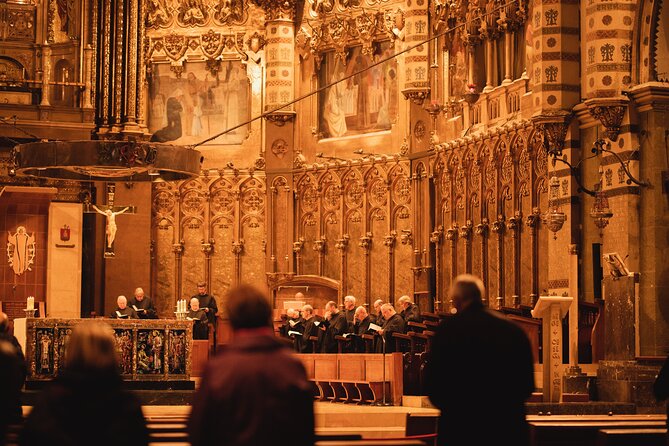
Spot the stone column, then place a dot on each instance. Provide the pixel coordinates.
(46, 74)
(416, 86)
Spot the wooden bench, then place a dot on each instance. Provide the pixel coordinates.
(635, 437)
(350, 391)
(375, 442)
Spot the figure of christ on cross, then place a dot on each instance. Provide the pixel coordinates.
(110, 212)
(111, 223)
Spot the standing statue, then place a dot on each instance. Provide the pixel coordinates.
(111, 222)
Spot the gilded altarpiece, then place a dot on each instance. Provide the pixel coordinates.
(490, 194)
(349, 226)
(210, 229)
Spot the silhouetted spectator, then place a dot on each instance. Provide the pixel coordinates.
(661, 389)
(466, 348)
(254, 392)
(12, 375)
(86, 403)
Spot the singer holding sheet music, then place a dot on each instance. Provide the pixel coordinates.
(123, 311)
(143, 305)
(197, 314)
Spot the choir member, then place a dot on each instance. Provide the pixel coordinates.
(143, 305)
(410, 311)
(311, 323)
(394, 323)
(295, 327)
(377, 316)
(201, 324)
(335, 324)
(123, 311)
(361, 323)
(349, 309)
(207, 302)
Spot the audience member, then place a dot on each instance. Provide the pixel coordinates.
(254, 392)
(12, 376)
(335, 324)
(311, 323)
(123, 311)
(466, 347)
(393, 323)
(661, 389)
(201, 324)
(143, 305)
(87, 404)
(410, 311)
(6, 335)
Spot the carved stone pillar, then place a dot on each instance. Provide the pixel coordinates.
(436, 238)
(532, 221)
(451, 235)
(482, 231)
(366, 245)
(87, 97)
(416, 63)
(320, 246)
(178, 250)
(489, 34)
(297, 250)
(466, 235)
(498, 228)
(46, 74)
(207, 249)
(237, 250)
(514, 225)
(389, 243)
(341, 245)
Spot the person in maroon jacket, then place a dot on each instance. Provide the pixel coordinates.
(255, 391)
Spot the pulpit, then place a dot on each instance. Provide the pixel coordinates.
(552, 310)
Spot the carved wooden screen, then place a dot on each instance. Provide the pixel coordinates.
(211, 228)
(348, 221)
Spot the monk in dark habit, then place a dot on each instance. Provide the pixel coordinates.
(394, 323)
(201, 324)
(335, 324)
(311, 323)
(143, 305)
(410, 311)
(255, 391)
(123, 311)
(466, 346)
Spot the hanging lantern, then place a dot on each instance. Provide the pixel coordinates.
(601, 212)
(554, 218)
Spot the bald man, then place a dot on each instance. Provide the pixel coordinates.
(479, 340)
(143, 305)
(377, 316)
(123, 311)
(409, 310)
(201, 324)
(394, 323)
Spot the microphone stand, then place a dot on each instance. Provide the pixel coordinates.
(383, 338)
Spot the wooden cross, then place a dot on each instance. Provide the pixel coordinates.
(110, 212)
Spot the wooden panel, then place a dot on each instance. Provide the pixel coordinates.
(351, 367)
(200, 357)
(326, 367)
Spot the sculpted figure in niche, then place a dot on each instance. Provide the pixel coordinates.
(157, 14)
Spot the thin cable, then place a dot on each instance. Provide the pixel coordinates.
(331, 84)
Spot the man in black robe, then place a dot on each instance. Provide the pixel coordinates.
(143, 305)
(361, 327)
(311, 323)
(201, 324)
(394, 323)
(207, 302)
(466, 347)
(295, 328)
(410, 311)
(123, 311)
(335, 324)
(377, 316)
(349, 310)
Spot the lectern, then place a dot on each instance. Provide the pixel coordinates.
(552, 309)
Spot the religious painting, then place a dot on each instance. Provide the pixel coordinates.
(44, 349)
(366, 102)
(123, 338)
(198, 103)
(150, 345)
(177, 352)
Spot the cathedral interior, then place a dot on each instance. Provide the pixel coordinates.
(374, 148)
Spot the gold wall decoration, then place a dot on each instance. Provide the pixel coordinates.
(193, 13)
(20, 250)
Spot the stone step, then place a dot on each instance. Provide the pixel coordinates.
(366, 432)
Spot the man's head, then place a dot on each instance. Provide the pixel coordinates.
(349, 302)
(331, 307)
(248, 308)
(360, 313)
(202, 288)
(122, 302)
(92, 347)
(139, 294)
(195, 304)
(4, 323)
(290, 313)
(307, 311)
(404, 302)
(377, 305)
(388, 311)
(299, 297)
(467, 290)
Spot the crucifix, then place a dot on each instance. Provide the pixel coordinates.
(110, 212)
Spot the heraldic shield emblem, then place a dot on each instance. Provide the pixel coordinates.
(20, 250)
(65, 233)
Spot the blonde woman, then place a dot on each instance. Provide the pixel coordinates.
(86, 403)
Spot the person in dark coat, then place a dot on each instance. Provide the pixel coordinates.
(311, 323)
(410, 311)
(87, 404)
(207, 302)
(466, 347)
(295, 328)
(255, 391)
(361, 327)
(123, 311)
(661, 389)
(12, 376)
(335, 324)
(394, 323)
(6, 335)
(201, 324)
(143, 305)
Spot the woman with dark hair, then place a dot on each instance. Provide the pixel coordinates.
(86, 403)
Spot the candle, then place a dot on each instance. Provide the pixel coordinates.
(30, 305)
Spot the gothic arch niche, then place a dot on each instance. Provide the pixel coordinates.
(494, 226)
(192, 233)
(163, 272)
(252, 232)
(652, 41)
(308, 218)
(527, 223)
(281, 229)
(223, 198)
(401, 275)
(331, 229)
(354, 196)
(378, 201)
(63, 95)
